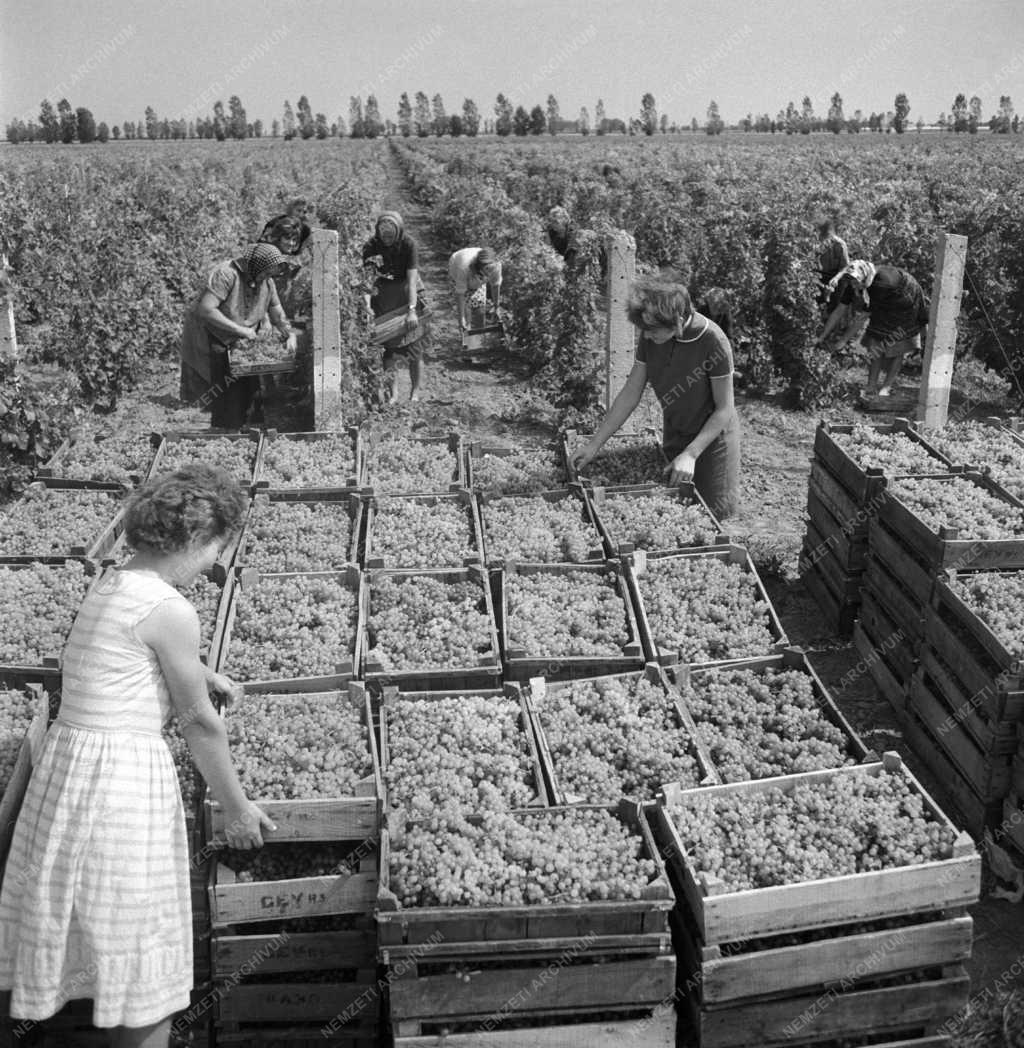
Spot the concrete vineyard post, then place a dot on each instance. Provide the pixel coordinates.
(8, 338)
(947, 292)
(620, 250)
(326, 331)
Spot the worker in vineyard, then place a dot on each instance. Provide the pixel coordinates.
(237, 296)
(391, 267)
(687, 359)
(96, 901)
(562, 235)
(897, 311)
(475, 273)
(833, 258)
(288, 232)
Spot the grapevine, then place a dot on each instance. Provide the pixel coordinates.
(237, 457)
(976, 444)
(38, 604)
(997, 598)
(895, 453)
(537, 530)
(957, 503)
(324, 462)
(17, 708)
(523, 472)
(52, 521)
(400, 465)
(407, 533)
(658, 521)
(298, 536)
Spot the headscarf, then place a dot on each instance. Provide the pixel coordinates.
(559, 215)
(861, 271)
(258, 258)
(395, 219)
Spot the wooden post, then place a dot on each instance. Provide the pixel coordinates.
(326, 331)
(8, 338)
(620, 337)
(947, 291)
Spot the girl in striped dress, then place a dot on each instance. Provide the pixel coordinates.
(95, 901)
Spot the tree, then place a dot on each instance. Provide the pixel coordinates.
(790, 118)
(421, 120)
(694, 125)
(960, 113)
(554, 115)
(102, 132)
(715, 124)
(85, 125)
(901, 110)
(599, 118)
(919, 124)
(257, 129)
(835, 122)
(288, 124)
(371, 118)
(1004, 121)
(520, 121)
(806, 116)
(538, 122)
(305, 118)
(583, 123)
(440, 121)
(941, 123)
(115, 132)
(356, 122)
(48, 121)
(66, 120)
(405, 115)
(503, 116)
(470, 118)
(1015, 125)
(663, 123)
(974, 119)
(275, 128)
(648, 114)
(220, 123)
(455, 125)
(320, 126)
(238, 125)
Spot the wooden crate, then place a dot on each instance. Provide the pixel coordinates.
(295, 952)
(100, 545)
(478, 450)
(365, 1034)
(56, 465)
(916, 576)
(520, 665)
(895, 645)
(344, 669)
(14, 789)
(652, 672)
(872, 659)
(850, 513)
(822, 578)
(724, 916)
(475, 555)
(355, 818)
(453, 444)
(889, 594)
(292, 1002)
(391, 695)
(574, 493)
(311, 491)
(640, 562)
(685, 494)
(572, 441)
(1012, 826)
(817, 553)
(484, 674)
(162, 441)
(848, 546)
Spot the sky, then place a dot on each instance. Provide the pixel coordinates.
(115, 57)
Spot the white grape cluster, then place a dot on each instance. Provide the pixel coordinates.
(957, 503)
(895, 453)
(400, 465)
(204, 595)
(113, 458)
(285, 862)
(997, 598)
(17, 708)
(850, 824)
(706, 609)
(407, 533)
(264, 350)
(520, 473)
(465, 753)
(38, 604)
(658, 521)
(422, 622)
(325, 462)
(291, 747)
(537, 530)
(301, 626)
(189, 779)
(975, 444)
(612, 737)
(760, 723)
(298, 536)
(563, 855)
(570, 613)
(633, 464)
(50, 521)
(237, 457)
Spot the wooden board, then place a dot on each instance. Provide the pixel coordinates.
(371, 558)
(894, 644)
(818, 554)
(872, 659)
(839, 615)
(848, 548)
(355, 480)
(901, 562)
(280, 1035)
(852, 515)
(291, 1002)
(889, 594)
(326, 329)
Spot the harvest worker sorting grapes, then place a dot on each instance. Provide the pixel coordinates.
(95, 901)
(688, 361)
(475, 273)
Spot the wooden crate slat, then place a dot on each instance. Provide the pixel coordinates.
(849, 548)
(899, 650)
(244, 903)
(890, 595)
(901, 562)
(288, 1002)
(893, 690)
(819, 554)
(840, 615)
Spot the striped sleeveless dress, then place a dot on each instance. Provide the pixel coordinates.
(95, 901)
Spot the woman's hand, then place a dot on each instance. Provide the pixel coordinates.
(291, 343)
(681, 468)
(224, 688)
(243, 827)
(410, 319)
(248, 334)
(582, 458)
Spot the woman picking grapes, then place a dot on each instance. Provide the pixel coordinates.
(688, 361)
(95, 902)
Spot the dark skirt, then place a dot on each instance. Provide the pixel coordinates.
(716, 475)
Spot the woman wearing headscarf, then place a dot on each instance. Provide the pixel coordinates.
(897, 312)
(391, 264)
(475, 273)
(236, 298)
(833, 258)
(562, 234)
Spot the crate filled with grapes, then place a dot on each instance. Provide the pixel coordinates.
(702, 607)
(309, 761)
(101, 458)
(56, 518)
(401, 465)
(550, 527)
(493, 470)
(458, 751)
(767, 717)
(624, 461)
(292, 631)
(300, 531)
(992, 444)
(615, 736)
(564, 621)
(653, 518)
(237, 453)
(317, 461)
(422, 531)
(24, 712)
(429, 629)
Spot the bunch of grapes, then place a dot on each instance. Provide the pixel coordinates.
(895, 453)
(298, 536)
(112, 458)
(760, 723)
(613, 737)
(50, 521)
(204, 595)
(423, 622)
(238, 457)
(550, 856)
(975, 444)
(570, 613)
(658, 521)
(412, 534)
(521, 473)
(189, 779)
(400, 465)
(633, 464)
(301, 626)
(288, 861)
(267, 349)
(296, 747)
(850, 824)
(326, 462)
(537, 530)
(706, 609)
(997, 598)
(463, 753)
(957, 503)
(38, 604)
(17, 708)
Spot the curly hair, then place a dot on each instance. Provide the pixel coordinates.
(657, 302)
(174, 510)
